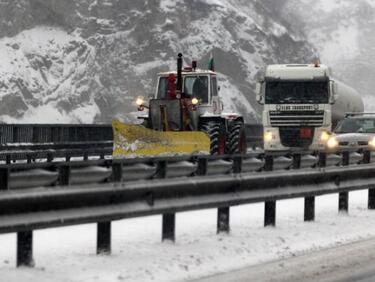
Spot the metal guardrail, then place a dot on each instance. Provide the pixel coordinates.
(12, 152)
(44, 133)
(105, 190)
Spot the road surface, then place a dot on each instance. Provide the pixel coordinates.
(354, 262)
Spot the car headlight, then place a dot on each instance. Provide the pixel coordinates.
(194, 101)
(372, 142)
(332, 143)
(268, 136)
(325, 136)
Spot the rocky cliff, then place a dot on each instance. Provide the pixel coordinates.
(86, 60)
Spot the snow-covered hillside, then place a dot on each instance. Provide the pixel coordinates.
(85, 61)
(44, 71)
(343, 33)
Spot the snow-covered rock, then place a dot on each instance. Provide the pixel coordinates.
(85, 61)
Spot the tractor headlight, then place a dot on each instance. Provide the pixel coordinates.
(332, 143)
(140, 101)
(372, 143)
(268, 136)
(325, 136)
(194, 101)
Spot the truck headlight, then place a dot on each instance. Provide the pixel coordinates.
(325, 136)
(268, 136)
(332, 143)
(372, 143)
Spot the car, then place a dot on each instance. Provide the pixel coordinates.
(355, 132)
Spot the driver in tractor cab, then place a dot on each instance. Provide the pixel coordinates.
(197, 86)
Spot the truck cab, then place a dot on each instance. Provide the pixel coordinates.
(297, 106)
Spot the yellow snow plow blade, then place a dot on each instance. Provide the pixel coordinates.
(130, 141)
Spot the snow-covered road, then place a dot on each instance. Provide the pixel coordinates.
(68, 254)
(353, 262)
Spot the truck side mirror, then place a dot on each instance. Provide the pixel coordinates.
(258, 92)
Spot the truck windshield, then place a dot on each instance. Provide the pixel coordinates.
(356, 126)
(296, 92)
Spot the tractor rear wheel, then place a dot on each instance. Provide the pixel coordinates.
(236, 143)
(217, 137)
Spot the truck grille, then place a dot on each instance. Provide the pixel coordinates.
(297, 118)
(291, 137)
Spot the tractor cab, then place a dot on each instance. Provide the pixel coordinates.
(199, 84)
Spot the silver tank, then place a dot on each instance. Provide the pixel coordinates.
(348, 100)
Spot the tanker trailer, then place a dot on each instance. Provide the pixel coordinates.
(301, 105)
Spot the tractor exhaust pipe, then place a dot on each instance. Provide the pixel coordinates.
(179, 74)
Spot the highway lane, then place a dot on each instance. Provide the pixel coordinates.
(353, 262)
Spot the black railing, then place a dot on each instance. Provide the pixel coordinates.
(45, 133)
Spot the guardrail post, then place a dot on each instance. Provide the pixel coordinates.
(64, 175)
(25, 249)
(49, 157)
(202, 166)
(309, 214)
(103, 242)
(223, 214)
(322, 159)
(296, 161)
(117, 171)
(344, 196)
(268, 165)
(343, 202)
(161, 169)
(371, 192)
(371, 199)
(103, 236)
(366, 157)
(223, 220)
(237, 164)
(4, 179)
(168, 232)
(270, 206)
(270, 213)
(169, 219)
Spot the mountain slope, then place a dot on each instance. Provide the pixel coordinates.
(343, 33)
(91, 58)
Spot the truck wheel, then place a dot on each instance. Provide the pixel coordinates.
(236, 143)
(215, 131)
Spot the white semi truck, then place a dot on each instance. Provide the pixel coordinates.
(301, 105)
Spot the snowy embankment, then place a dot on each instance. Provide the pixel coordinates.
(68, 254)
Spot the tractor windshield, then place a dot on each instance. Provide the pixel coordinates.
(163, 89)
(194, 86)
(197, 86)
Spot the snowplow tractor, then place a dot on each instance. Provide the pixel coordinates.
(184, 117)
